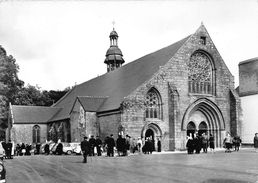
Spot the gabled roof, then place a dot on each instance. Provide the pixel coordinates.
(120, 82)
(91, 104)
(32, 114)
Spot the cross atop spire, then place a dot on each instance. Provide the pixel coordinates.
(113, 22)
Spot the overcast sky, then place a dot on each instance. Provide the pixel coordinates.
(60, 43)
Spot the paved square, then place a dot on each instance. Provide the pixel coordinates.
(220, 167)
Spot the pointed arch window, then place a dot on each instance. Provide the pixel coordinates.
(36, 134)
(200, 74)
(153, 104)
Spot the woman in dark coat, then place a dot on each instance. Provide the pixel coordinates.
(120, 145)
(46, 149)
(59, 149)
(159, 145)
(211, 142)
(256, 142)
(190, 145)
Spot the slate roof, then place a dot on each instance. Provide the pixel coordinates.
(32, 114)
(119, 83)
(91, 104)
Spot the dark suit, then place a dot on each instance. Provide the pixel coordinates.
(85, 147)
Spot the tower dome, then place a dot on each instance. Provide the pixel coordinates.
(114, 57)
(113, 33)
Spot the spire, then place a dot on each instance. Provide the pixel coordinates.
(114, 57)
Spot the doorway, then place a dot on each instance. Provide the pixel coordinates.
(190, 129)
(203, 128)
(150, 134)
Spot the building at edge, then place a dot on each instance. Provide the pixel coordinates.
(171, 93)
(248, 92)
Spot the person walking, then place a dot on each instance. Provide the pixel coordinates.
(211, 142)
(256, 142)
(85, 147)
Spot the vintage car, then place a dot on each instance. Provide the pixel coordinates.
(76, 147)
(67, 148)
(2, 168)
(2, 171)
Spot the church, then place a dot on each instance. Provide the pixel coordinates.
(169, 94)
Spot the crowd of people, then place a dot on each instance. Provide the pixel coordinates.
(231, 143)
(197, 142)
(122, 146)
(126, 145)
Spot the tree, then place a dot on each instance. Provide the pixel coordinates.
(10, 84)
(12, 89)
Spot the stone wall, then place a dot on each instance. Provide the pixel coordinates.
(22, 133)
(82, 123)
(175, 74)
(109, 124)
(91, 124)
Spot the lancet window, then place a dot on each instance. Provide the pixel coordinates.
(36, 134)
(153, 104)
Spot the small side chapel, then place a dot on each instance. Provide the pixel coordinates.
(169, 94)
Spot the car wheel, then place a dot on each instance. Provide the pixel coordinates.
(69, 152)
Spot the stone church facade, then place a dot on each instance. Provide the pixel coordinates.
(169, 94)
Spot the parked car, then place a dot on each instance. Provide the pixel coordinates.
(67, 148)
(51, 145)
(2, 151)
(2, 168)
(76, 147)
(2, 171)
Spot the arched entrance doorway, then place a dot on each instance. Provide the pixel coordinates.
(149, 133)
(152, 131)
(203, 128)
(190, 129)
(207, 117)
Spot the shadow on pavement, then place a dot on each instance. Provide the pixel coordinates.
(223, 181)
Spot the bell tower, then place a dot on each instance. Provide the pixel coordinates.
(114, 57)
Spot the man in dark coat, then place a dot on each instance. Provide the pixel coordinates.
(159, 145)
(98, 145)
(119, 145)
(110, 146)
(92, 142)
(9, 147)
(59, 149)
(46, 149)
(85, 147)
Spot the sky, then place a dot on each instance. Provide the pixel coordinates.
(58, 44)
